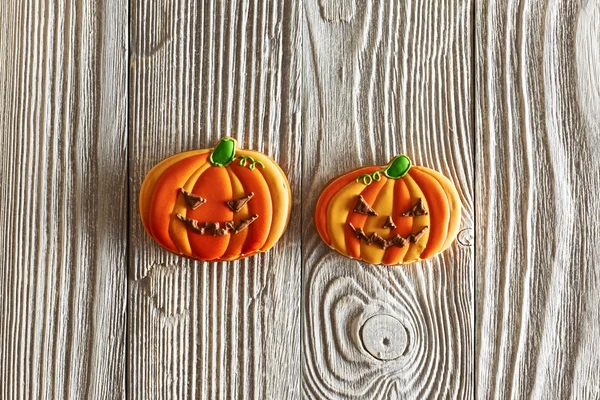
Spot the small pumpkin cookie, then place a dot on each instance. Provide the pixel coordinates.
(397, 214)
(216, 204)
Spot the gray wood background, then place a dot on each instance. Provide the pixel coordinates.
(501, 96)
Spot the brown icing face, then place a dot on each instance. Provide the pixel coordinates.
(362, 207)
(216, 228)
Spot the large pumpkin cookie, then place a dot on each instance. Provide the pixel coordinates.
(216, 204)
(398, 214)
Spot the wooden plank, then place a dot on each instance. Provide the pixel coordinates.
(200, 71)
(538, 128)
(63, 115)
(380, 79)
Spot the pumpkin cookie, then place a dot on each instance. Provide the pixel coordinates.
(216, 204)
(398, 214)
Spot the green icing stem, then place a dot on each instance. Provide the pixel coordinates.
(223, 154)
(396, 169)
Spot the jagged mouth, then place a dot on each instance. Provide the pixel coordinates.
(215, 227)
(396, 240)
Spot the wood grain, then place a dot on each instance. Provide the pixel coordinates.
(371, 79)
(199, 71)
(379, 79)
(63, 113)
(538, 129)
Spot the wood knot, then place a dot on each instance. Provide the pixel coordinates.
(384, 337)
(465, 237)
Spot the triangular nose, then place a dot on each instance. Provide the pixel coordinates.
(389, 223)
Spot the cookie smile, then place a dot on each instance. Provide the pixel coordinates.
(396, 240)
(215, 227)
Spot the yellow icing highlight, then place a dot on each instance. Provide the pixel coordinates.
(238, 191)
(240, 238)
(414, 251)
(453, 202)
(337, 213)
(384, 205)
(177, 229)
(281, 193)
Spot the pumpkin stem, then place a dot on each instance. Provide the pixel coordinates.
(398, 167)
(223, 153)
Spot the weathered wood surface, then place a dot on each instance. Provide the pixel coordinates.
(538, 174)
(201, 70)
(379, 79)
(322, 86)
(63, 113)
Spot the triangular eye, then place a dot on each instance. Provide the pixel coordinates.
(192, 200)
(416, 210)
(362, 207)
(237, 204)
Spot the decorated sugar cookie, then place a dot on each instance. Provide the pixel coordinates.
(398, 214)
(216, 204)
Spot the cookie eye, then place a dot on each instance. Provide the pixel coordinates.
(416, 210)
(362, 207)
(192, 200)
(237, 204)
